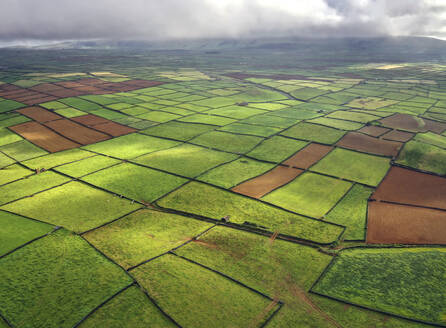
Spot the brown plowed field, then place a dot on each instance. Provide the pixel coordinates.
(374, 131)
(361, 142)
(45, 87)
(90, 120)
(39, 114)
(308, 156)
(410, 187)
(114, 129)
(396, 135)
(408, 122)
(401, 224)
(64, 93)
(267, 182)
(77, 132)
(43, 137)
(39, 100)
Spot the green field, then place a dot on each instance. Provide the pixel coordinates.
(146, 228)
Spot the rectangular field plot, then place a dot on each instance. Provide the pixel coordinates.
(351, 212)
(178, 130)
(227, 141)
(423, 156)
(143, 235)
(5, 160)
(30, 185)
(374, 131)
(255, 130)
(263, 184)
(314, 132)
(413, 188)
(7, 137)
(271, 120)
(186, 160)
(52, 160)
(308, 156)
(432, 139)
(22, 150)
(367, 144)
(44, 281)
(201, 199)
(396, 135)
(131, 145)
(412, 123)
(236, 112)
(171, 281)
(76, 132)
(13, 172)
(337, 124)
(402, 224)
(86, 166)
(131, 308)
(280, 269)
(354, 166)
(233, 173)
(17, 230)
(74, 205)
(207, 119)
(276, 149)
(353, 116)
(43, 137)
(405, 288)
(309, 194)
(39, 114)
(135, 182)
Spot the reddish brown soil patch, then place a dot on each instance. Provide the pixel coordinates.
(396, 135)
(45, 87)
(308, 156)
(39, 100)
(410, 123)
(69, 84)
(374, 131)
(89, 81)
(64, 93)
(401, 224)
(8, 87)
(271, 180)
(15, 93)
(76, 132)
(90, 120)
(410, 187)
(87, 89)
(31, 96)
(361, 142)
(114, 129)
(39, 114)
(43, 137)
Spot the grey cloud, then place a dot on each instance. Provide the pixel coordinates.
(169, 19)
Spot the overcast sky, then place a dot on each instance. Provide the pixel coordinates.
(166, 19)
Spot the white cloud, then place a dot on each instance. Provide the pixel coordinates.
(164, 19)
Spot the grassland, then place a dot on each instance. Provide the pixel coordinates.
(145, 228)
